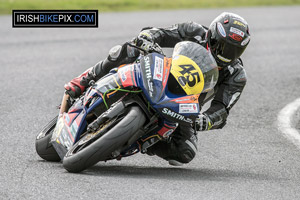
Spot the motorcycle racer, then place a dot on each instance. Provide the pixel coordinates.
(226, 38)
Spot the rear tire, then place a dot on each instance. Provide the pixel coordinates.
(79, 158)
(42, 143)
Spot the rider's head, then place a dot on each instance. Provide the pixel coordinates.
(228, 36)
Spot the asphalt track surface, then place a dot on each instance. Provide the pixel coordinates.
(248, 159)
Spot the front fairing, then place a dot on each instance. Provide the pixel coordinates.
(153, 80)
(194, 68)
(153, 76)
(73, 123)
(67, 128)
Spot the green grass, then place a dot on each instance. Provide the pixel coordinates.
(129, 5)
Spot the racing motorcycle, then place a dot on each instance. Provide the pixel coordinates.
(131, 108)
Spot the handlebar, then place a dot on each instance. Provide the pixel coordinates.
(155, 48)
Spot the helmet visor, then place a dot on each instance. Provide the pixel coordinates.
(225, 51)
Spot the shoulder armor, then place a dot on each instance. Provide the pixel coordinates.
(191, 30)
(240, 74)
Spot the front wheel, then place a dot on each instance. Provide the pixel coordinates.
(113, 136)
(43, 145)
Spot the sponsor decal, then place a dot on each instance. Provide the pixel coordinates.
(158, 69)
(176, 115)
(182, 80)
(188, 108)
(67, 118)
(125, 76)
(167, 65)
(123, 72)
(166, 74)
(179, 100)
(237, 31)
(235, 37)
(66, 140)
(147, 68)
(190, 99)
(221, 29)
(246, 41)
(239, 18)
(148, 76)
(239, 23)
(188, 74)
(150, 85)
(195, 97)
(74, 129)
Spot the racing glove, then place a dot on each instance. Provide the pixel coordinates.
(78, 85)
(203, 123)
(73, 90)
(144, 40)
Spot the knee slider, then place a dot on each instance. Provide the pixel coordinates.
(123, 54)
(115, 53)
(186, 156)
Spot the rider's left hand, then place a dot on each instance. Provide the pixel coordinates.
(144, 40)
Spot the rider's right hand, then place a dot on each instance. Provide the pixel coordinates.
(78, 85)
(73, 90)
(145, 40)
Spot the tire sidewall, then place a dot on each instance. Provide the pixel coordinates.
(102, 148)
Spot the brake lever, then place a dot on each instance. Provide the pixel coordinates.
(156, 48)
(134, 46)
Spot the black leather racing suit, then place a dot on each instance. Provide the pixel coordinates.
(183, 145)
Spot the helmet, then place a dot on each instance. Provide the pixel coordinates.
(228, 36)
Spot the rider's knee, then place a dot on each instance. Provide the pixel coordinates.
(186, 156)
(123, 54)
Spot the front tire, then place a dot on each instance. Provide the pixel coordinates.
(43, 145)
(81, 157)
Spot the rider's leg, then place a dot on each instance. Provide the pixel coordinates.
(180, 149)
(118, 55)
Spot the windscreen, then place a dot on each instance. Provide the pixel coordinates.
(194, 67)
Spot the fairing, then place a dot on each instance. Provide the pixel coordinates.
(150, 76)
(194, 68)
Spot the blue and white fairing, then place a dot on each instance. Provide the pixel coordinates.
(153, 80)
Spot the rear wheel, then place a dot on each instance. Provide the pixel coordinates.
(99, 146)
(42, 143)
